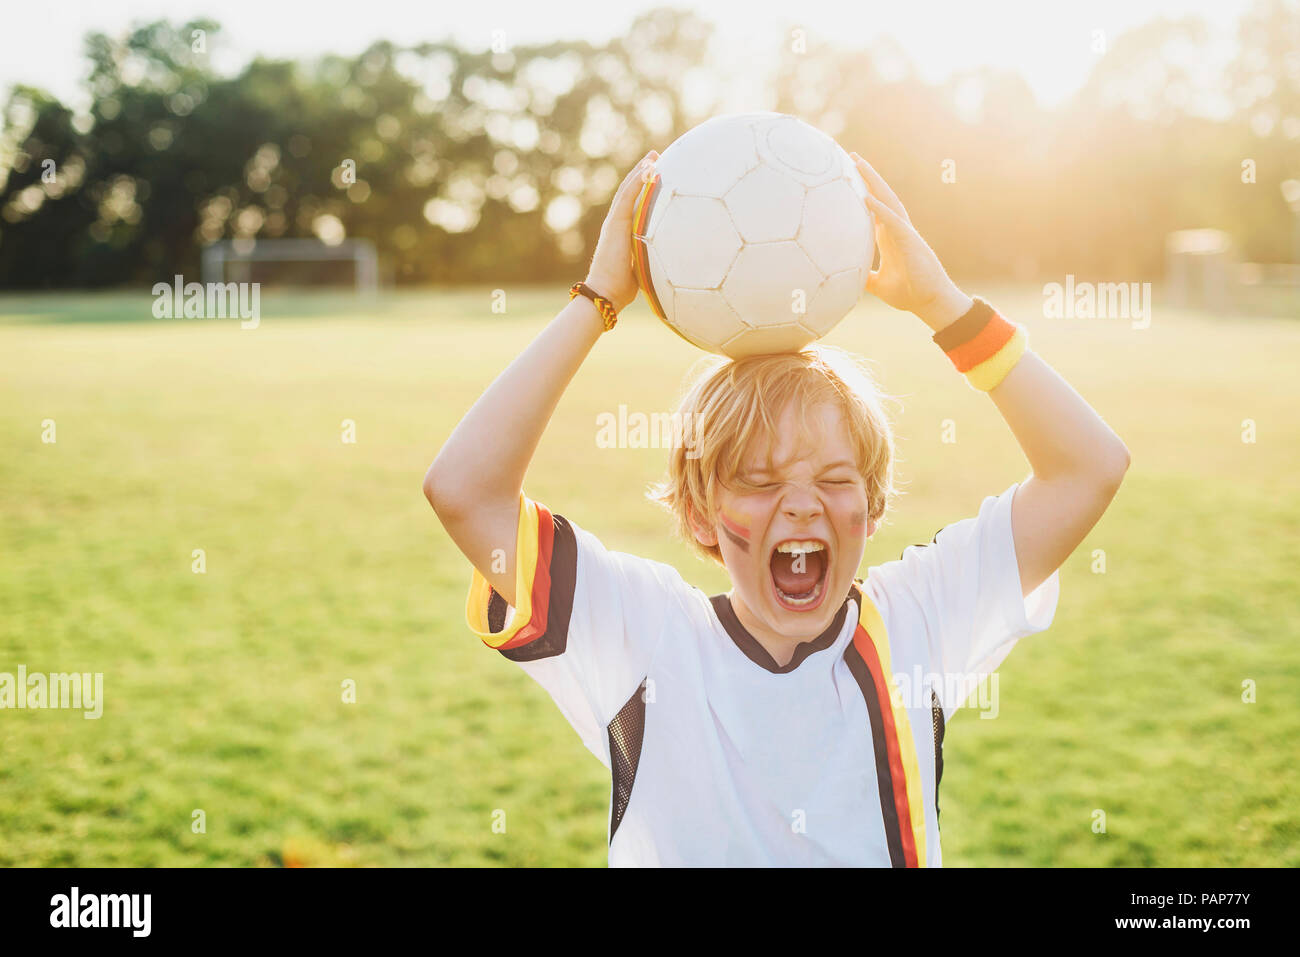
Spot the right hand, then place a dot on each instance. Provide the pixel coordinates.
(611, 272)
(910, 276)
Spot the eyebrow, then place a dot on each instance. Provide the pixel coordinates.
(842, 463)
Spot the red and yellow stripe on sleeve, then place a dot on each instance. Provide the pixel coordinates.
(535, 540)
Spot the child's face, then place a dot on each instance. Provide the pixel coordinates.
(811, 492)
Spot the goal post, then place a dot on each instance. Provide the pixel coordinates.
(242, 255)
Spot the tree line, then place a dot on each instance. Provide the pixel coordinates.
(498, 165)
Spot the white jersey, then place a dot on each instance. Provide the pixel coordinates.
(720, 757)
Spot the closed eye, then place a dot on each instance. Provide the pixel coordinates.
(772, 485)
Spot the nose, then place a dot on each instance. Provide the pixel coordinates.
(800, 504)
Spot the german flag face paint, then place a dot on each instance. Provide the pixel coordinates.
(858, 522)
(735, 527)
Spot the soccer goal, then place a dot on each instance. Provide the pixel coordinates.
(301, 262)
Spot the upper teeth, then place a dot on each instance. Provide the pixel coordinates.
(797, 548)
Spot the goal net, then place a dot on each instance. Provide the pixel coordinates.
(293, 262)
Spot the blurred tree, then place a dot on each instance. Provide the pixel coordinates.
(1264, 84)
(452, 162)
(498, 165)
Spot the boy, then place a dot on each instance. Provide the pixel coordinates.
(769, 726)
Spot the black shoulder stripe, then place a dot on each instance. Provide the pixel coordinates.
(921, 544)
(564, 576)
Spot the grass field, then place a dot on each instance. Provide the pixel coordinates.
(222, 691)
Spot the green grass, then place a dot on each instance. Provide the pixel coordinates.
(324, 563)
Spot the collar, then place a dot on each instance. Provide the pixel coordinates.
(756, 653)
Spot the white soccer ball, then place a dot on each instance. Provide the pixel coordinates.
(752, 235)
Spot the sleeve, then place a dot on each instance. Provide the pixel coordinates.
(963, 592)
(588, 620)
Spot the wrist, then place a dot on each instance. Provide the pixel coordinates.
(983, 345)
(607, 309)
(588, 315)
(604, 287)
(945, 308)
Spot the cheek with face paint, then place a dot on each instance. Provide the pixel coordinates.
(735, 527)
(858, 522)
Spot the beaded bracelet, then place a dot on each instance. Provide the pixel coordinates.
(983, 345)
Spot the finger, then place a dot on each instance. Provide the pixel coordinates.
(878, 187)
(631, 186)
(638, 173)
(631, 183)
(648, 165)
(887, 215)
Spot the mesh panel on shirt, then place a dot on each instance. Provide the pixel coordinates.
(496, 611)
(626, 733)
(937, 712)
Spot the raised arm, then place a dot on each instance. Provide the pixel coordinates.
(1078, 461)
(475, 481)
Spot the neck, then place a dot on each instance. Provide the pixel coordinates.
(780, 647)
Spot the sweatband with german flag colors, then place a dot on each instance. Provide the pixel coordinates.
(983, 345)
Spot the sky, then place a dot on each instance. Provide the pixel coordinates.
(1049, 42)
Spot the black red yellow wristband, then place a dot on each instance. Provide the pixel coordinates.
(983, 345)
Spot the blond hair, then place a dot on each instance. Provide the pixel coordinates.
(733, 406)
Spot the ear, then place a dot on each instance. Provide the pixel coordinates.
(705, 534)
(872, 525)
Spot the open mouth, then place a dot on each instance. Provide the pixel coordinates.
(799, 570)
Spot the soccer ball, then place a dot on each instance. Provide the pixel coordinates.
(752, 235)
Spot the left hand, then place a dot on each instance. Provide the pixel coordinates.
(910, 276)
(611, 273)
